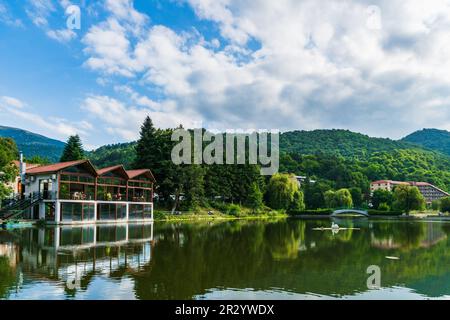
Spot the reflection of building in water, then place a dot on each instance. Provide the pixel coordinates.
(428, 236)
(11, 251)
(71, 254)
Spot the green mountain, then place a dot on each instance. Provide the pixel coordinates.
(339, 158)
(434, 139)
(32, 144)
(109, 155)
(338, 142)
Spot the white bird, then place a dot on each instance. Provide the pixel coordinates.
(334, 226)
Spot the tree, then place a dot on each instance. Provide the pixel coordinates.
(255, 197)
(357, 196)
(337, 199)
(344, 198)
(281, 190)
(73, 150)
(314, 194)
(445, 204)
(407, 198)
(8, 171)
(298, 203)
(330, 199)
(436, 205)
(381, 196)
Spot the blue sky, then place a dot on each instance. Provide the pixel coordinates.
(377, 67)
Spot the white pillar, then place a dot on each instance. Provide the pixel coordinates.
(41, 210)
(58, 211)
(57, 236)
(95, 211)
(128, 211)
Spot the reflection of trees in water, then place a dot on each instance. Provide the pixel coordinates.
(7, 277)
(188, 259)
(404, 235)
(264, 256)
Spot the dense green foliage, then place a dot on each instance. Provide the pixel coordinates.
(407, 198)
(382, 197)
(110, 155)
(337, 142)
(334, 159)
(338, 199)
(435, 139)
(197, 185)
(283, 193)
(8, 153)
(32, 144)
(444, 204)
(73, 150)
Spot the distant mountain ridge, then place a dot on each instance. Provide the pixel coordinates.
(434, 139)
(337, 142)
(32, 144)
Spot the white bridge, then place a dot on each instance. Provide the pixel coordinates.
(356, 211)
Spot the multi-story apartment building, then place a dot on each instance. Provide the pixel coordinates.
(429, 191)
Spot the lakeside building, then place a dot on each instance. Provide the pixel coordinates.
(429, 191)
(77, 193)
(303, 179)
(16, 185)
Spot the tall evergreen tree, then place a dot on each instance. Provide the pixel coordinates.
(149, 148)
(73, 150)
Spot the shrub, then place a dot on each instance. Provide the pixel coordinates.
(436, 205)
(384, 207)
(384, 213)
(318, 212)
(233, 210)
(445, 204)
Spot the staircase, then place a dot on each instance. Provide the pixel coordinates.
(16, 206)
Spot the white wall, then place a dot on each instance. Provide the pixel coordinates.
(34, 186)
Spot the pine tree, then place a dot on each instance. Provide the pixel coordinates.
(148, 148)
(73, 150)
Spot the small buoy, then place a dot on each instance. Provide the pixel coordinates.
(392, 258)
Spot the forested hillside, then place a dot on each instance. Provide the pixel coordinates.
(435, 139)
(32, 144)
(122, 153)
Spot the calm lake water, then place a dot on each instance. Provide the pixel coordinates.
(281, 259)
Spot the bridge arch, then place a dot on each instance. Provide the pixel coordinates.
(356, 211)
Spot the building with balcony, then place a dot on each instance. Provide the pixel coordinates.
(76, 192)
(429, 191)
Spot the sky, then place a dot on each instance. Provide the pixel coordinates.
(377, 67)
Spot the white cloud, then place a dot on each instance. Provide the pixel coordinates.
(317, 64)
(7, 18)
(39, 11)
(11, 102)
(62, 35)
(125, 120)
(51, 126)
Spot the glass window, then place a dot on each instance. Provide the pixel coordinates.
(88, 212)
(136, 211)
(147, 212)
(121, 211)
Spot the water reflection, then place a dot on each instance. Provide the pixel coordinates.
(240, 259)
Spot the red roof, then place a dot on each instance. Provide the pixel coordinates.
(109, 169)
(113, 168)
(136, 173)
(390, 181)
(28, 165)
(53, 168)
(56, 167)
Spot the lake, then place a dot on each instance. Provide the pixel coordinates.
(280, 259)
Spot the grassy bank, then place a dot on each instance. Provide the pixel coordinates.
(230, 212)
